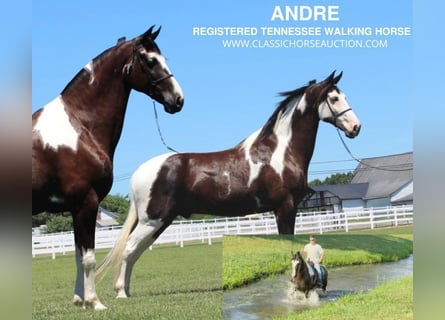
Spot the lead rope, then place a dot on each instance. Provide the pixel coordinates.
(346, 147)
(159, 130)
(365, 164)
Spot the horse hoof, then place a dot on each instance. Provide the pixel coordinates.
(99, 306)
(121, 295)
(78, 301)
(95, 304)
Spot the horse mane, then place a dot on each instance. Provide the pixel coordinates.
(149, 44)
(84, 73)
(276, 115)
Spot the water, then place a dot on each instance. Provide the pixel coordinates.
(276, 297)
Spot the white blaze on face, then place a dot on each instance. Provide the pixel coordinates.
(161, 59)
(55, 128)
(337, 102)
(294, 265)
(348, 121)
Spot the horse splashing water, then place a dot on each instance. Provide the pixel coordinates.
(265, 172)
(75, 135)
(304, 275)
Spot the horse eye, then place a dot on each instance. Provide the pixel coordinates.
(151, 62)
(334, 99)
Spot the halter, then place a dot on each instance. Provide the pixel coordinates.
(128, 68)
(334, 115)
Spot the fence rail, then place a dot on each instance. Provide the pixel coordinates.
(205, 231)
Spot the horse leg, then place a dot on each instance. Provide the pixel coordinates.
(325, 278)
(78, 289)
(285, 217)
(138, 241)
(84, 221)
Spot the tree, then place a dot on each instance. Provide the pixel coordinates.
(59, 222)
(39, 219)
(337, 178)
(316, 182)
(117, 204)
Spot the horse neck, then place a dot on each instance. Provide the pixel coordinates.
(97, 97)
(292, 130)
(289, 135)
(304, 132)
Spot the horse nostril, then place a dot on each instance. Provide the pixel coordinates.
(356, 129)
(179, 101)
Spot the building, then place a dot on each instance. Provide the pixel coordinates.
(377, 182)
(106, 218)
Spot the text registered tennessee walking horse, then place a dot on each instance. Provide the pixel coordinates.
(304, 275)
(75, 135)
(267, 171)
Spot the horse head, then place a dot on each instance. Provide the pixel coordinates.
(297, 265)
(332, 105)
(148, 72)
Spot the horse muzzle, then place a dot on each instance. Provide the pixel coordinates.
(174, 107)
(355, 130)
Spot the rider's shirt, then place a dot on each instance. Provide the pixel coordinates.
(314, 252)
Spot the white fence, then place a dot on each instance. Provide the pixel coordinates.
(205, 231)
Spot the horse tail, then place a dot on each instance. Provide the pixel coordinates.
(114, 257)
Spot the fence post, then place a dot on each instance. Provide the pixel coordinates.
(346, 222)
(181, 236)
(53, 250)
(396, 222)
(209, 231)
(63, 245)
(320, 224)
(371, 218)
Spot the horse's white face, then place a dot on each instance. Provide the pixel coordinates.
(166, 89)
(295, 262)
(336, 110)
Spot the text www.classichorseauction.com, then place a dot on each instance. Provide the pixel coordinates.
(306, 43)
(303, 37)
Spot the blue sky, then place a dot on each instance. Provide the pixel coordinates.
(231, 92)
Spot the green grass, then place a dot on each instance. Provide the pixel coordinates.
(167, 283)
(186, 283)
(389, 301)
(249, 258)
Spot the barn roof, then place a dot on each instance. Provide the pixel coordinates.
(345, 191)
(385, 175)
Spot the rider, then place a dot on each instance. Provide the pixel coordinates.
(315, 254)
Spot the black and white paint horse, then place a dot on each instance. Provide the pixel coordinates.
(304, 275)
(75, 135)
(265, 172)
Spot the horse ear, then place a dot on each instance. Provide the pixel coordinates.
(155, 34)
(150, 34)
(337, 78)
(330, 78)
